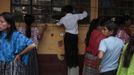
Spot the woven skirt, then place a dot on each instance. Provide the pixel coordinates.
(12, 68)
(90, 65)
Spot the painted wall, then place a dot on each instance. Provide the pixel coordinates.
(52, 41)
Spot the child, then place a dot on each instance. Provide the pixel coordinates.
(109, 49)
(70, 22)
(126, 65)
(14, 47)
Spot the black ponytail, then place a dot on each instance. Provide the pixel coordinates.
(29, 19)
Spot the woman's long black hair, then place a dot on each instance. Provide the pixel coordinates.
(29, 19)
(93, 25)
(129, 52)
(10, 19)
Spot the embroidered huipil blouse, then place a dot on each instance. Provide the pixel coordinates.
(35, 34)
(9, 49)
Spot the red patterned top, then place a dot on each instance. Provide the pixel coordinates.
(95, 38)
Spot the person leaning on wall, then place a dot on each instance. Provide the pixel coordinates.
(70, 23)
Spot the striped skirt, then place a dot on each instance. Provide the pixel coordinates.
(12, 68)
(90, 65)
(18, 68)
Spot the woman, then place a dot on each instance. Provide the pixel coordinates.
(14, 47)
(95, 36)
(32, 32)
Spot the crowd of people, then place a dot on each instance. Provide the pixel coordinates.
(109, 45)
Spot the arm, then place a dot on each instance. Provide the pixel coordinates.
(100, 56)
(83, 15)
(59, 22)
(25, 51)
(102, 50)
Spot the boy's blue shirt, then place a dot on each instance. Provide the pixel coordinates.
(112, 47)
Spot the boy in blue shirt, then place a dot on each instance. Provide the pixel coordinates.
(109, 49)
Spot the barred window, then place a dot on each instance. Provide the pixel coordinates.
(46, 10)
(116, 7)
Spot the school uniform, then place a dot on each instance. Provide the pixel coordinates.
(112, 47)
(70, 22)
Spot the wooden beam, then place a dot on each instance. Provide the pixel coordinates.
(94, 9)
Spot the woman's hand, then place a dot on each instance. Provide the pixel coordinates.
(17, 58)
